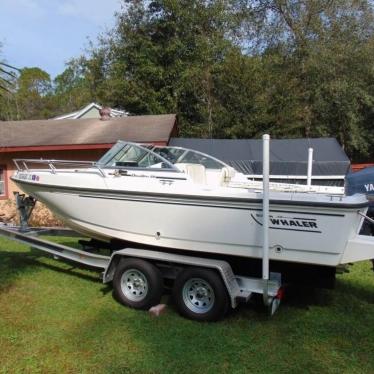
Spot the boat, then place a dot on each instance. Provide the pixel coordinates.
(178, 199)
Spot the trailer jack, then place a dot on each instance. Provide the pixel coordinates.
(25, 206)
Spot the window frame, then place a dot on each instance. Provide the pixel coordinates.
(4, 196)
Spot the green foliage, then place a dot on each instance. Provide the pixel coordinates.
(228, 68)
(33, 88)
(328, 59)
(238, 68)
(27, 95)
(162, 57)
(71, 90)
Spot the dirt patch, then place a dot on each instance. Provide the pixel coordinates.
(41, 216)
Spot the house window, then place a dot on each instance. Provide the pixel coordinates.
(2, 181)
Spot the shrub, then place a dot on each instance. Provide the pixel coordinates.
(41, 215)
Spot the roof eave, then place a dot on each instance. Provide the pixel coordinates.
(66, 147)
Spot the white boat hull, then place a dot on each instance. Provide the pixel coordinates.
(299, 231)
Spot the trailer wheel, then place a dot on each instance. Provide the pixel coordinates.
(137, 284)
(200, 294)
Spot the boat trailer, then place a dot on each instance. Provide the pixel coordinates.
(239, 289)
(203, 287)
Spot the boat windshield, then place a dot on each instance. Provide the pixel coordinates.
(179, 155)
(130, 155)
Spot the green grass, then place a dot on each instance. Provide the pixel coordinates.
(58, 319)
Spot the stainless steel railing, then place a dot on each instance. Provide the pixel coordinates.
(23, 164)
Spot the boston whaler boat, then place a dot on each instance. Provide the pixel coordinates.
(185, 202)
(138, 195)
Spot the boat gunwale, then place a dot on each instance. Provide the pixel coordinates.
(318, 204)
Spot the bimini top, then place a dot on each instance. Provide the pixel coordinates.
(131, 155)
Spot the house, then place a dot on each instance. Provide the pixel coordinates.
(84, 139)
(91, 110)
(288, 158)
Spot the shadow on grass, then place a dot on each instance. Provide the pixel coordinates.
(303, 297)
(296, 299)
(359, 291)
(15, 264)
(73, 270)
(74, 243)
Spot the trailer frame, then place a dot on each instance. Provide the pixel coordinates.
(239, 288)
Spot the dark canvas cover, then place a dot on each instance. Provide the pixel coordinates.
(287, 156)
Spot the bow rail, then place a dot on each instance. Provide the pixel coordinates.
(23, 164)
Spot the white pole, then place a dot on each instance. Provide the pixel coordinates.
(310, 165)
(265, 214)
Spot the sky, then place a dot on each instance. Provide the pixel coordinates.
(47, 33)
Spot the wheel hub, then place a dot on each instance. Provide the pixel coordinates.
(201, 292)
(138, 283)
(198, 295)
(134, 285)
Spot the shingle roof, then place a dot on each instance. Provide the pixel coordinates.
(150, 128)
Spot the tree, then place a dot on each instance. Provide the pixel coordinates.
(32, 93)
(228, 68)
(71, 89)
(162, 57)
(326, 47)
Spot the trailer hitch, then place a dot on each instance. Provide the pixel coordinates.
(25, 205)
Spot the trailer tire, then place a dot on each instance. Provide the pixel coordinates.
(200, 294)
(137, 284)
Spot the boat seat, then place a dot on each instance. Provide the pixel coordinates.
(195, 171)
(227, 173)
(219, 177)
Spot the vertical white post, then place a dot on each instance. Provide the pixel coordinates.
(310, 165)
(265, 214)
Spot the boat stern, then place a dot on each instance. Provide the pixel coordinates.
(359, 248)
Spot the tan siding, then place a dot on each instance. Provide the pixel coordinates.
(92, 113)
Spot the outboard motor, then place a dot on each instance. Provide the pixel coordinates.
(363, 182)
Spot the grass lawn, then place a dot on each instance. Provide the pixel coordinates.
(58, 319)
